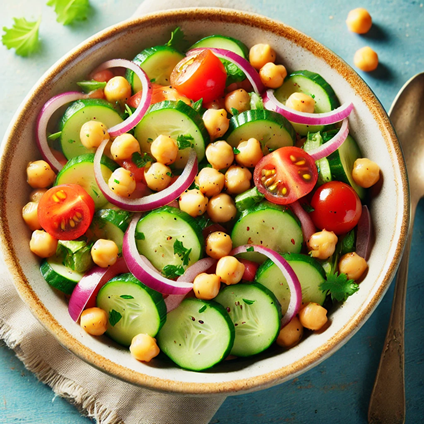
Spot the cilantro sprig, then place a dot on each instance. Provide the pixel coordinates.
(141, 161)
(184, 141)
(338, 287)
(23, 37)
(182, 252)
(177, 40)
(172, 271)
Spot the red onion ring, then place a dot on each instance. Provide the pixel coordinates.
(85, 292)
(250, 72)
(289, 275)
(45, 114)
(152, 201)
(142, 268)
(336, 115)
(308, 227)
(145, 100)
(363, 234)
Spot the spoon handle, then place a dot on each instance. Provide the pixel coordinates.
(387, 404)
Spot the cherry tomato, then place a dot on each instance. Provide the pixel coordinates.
(250, 269)
(336, 206)
(66, 211)
(137, 172)
(285, 175)
(159, 94)
(200, 76)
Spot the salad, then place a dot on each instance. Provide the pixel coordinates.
(200, 202)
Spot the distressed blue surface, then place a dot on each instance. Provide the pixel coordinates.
(338, 390)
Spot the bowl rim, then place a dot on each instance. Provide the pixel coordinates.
(241, 385)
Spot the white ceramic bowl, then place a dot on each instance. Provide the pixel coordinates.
(369, 124)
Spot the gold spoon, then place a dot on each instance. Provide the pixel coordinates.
(387, 404)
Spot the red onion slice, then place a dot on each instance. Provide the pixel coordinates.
(250, 72)
(142, 268)
(152, 201)
(363, 234)
(85, 292)
(308, 227)
(145, 100)
(336, 115)
(289, 275)
(43, 119)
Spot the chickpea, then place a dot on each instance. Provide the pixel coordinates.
(30, 216)
(42, 244)
(215, 104)
(322, 244)
(250, 153)
(359, 20)
(39, 174)
(218, 245)
(122, 182)
(117, 89)
(272, 76)
(124, 146)
(193, 202)
(366, 59)
(94, 321)
(102, 76)
(210, 181)
(104, 253)
(365, 172)
(93, 133)
(230, 270)
(291, 334)
(221, 208)
(164, 149)
(220, 154)
(144, 347)
(313, 316)
(36, 195)
(237, 99)
(237, 179)
(260, 54)
(301, 102)
(352, 265)
(216, 122)
(158, 176)
(206, 286)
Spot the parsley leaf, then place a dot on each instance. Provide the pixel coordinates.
(250, 249)
(114, 317)
(249, 302)
(68, 11)
(177, 41)
(197, 105)
(169, 174)
(339, 287)
(116, 181)
(236, 151)
(234, 74)
(128, 110)
(89, 86)
(54, 136)
(203, 309)
(141, 161)
(172, 271)
(181, 251)
(139, 236)
(23, 36)
(126, 296)
(184, 141)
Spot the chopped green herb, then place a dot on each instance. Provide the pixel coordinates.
(234, 111)
(184, 141)
(313, 96)
(149, 140)
(250, 249)
(339, 287)
(126, 296)
(128, 110)
(203, 309)
(234, 73)
(153, 80)
(116, 181)
(89, 86)
(197, 105)
(348, 243)
(307, 207)
(114, 317)
(68, 11)
(139, 236)
(95, 192)
(23, 36)
(169, 174)
(249, 302)
(181, 251)
(54, 136)
(71, 141)
(236, 151)
(177, 41)
(141, 161)
(172, 271)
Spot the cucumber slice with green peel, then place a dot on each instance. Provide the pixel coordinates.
(58, 275)
(313, 85)
(248, 199)
(313, 141)
(256, 315)
(341, 161)
(132, 307)
(268, 225)
(77, 114)
(80, 170)
(309, 272)
(173, 119)
(223, 42)
(158, 63)
(197, 335)
(159, 233)
(110, 224)
(271, 129)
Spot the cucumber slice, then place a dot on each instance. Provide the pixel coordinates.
(197, 335)
(133, 308)
(110, 224)
(341, 162)
(268, 225)
(58, 275)
(309, 272)
(270, 128)
(313, 85)
(173, 119)
(256, 315)
(313, 141)
(158, 63)
(80, 170)
(248, 199)
(77, 114)
(158, 231)
(223, 42)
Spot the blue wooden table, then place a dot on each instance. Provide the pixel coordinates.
(337, 390)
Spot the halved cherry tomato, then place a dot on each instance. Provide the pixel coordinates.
(159, 94)
(250, 269)
(337, 207)
(66, 211)
(285, 175)
(200, 76)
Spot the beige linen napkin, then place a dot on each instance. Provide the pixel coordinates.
(94, 393)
